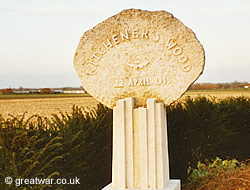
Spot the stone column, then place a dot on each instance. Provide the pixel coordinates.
(140, 147)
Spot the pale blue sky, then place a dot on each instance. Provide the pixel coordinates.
(38, 38)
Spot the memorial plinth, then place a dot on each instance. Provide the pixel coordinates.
(137, 62)
(140, 147)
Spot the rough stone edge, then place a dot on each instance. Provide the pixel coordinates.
(124, 11)
(174, 184)
(134, 9)
(204, 58)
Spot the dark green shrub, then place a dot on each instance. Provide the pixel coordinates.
(202, 129)
(238, 111)
(27, 150)
(70, 145)
(78, 144)
(86, 146)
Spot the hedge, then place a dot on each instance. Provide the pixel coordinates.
(79, 144)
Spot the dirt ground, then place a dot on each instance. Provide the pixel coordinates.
(220, 94)
(43, 106)
(228, 181)
(48, 106)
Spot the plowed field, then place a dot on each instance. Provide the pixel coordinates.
(46, 106)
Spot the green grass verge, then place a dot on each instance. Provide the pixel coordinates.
(23, 96)
(223, 90)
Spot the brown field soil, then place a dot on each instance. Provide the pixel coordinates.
(45, 106)
(219, 94)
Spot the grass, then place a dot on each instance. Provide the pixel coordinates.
(78, 143)
(219, 93)
(231, 178)
(223, 90)
(26, 96)
(189, 92)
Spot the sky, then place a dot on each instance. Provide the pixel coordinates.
(38, 38)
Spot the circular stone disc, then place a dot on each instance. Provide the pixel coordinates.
(139, 54)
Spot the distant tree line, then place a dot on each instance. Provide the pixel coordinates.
(21, 90)
(210, 86)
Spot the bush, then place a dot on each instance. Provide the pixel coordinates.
(218, 174)
(202, 129)
(87, 143)
(68, 146)
(27, 150)
(79, 144)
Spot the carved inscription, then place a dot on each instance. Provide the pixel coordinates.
(139, 53)
(145, 81)
(178, 52)
(92, 64)
(116, 39)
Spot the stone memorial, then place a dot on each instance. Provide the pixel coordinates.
(135, 63)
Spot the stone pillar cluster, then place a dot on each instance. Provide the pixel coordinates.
(140, 153)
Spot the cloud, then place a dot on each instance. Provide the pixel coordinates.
(60, 8)
(97, 8)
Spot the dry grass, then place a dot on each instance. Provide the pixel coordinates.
(47, 106)
(220, 94)
(229, 181)
(43, 106)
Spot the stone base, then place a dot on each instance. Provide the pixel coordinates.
(174, 184)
